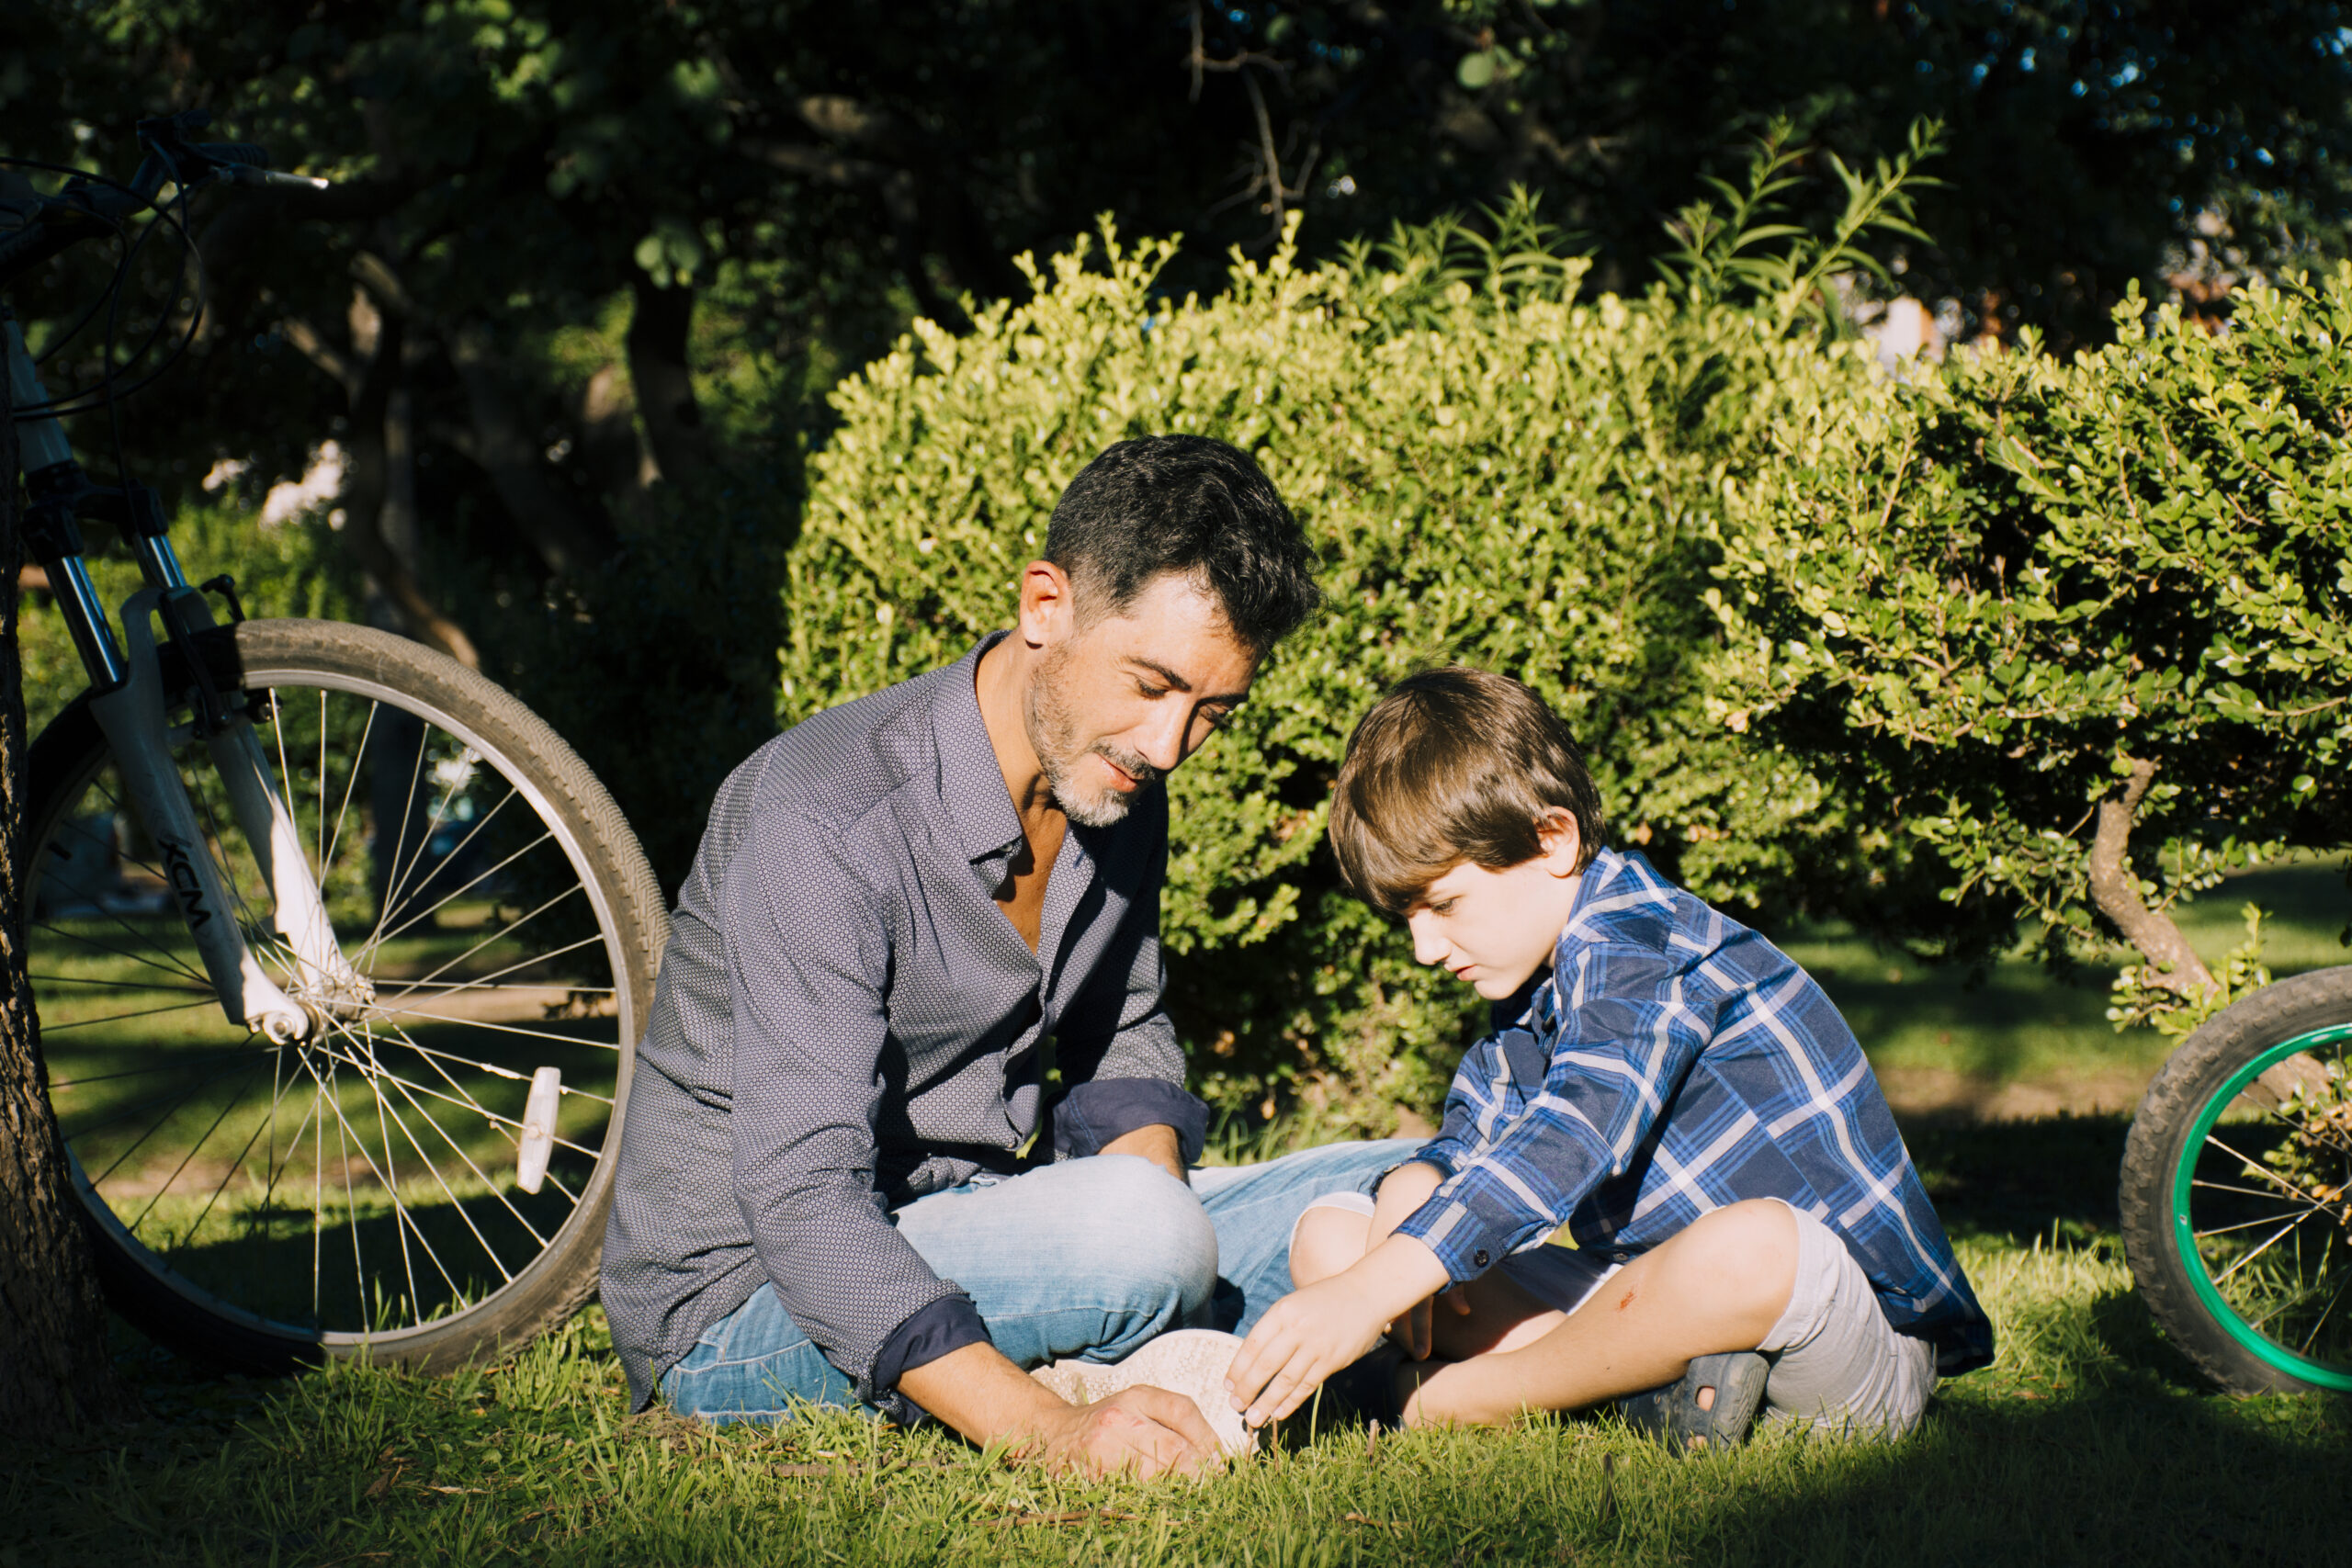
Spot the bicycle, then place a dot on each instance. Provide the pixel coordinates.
(292, 1140)
(2236, 1191)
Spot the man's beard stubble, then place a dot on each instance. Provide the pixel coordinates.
(1052, 728)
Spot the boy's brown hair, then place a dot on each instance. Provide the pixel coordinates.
(1454, 764)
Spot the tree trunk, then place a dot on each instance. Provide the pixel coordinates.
(2172, 963)
(660, 372)
(55, 1366)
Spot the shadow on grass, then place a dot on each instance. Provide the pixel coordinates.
(2112, 1477)
(2019, 1180)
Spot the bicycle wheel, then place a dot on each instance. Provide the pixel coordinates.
(262, 1205)
(2236, 1215)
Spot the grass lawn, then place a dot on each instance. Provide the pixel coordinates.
(2090, 1440)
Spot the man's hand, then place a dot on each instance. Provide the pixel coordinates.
(1155, 1143)
(1141, 1432)
(1311, 1333)
(1402, 1192)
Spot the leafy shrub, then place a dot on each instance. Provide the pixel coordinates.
(1491, 470)
(1996, 603)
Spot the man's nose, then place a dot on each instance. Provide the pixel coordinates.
(1163, 737)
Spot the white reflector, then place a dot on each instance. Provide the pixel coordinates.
(538, 1129)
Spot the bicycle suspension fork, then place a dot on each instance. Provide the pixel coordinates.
(127, 698)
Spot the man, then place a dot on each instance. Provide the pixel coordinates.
(841, 1180)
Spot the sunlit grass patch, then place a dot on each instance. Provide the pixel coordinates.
(2088, 1441)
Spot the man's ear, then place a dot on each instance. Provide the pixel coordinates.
(1563, 845)
(1049, 608)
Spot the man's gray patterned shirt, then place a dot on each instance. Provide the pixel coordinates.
(846, 1021)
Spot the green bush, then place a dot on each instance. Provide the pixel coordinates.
(1491, 470)
(1983, 603)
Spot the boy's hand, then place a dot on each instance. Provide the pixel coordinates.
(1311, 1333)
(1403, 1191)
(1415, 1333)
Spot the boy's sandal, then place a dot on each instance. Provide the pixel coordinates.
(1672, 1413)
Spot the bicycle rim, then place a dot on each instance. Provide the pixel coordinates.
(2262, 1219)
(362, 1187)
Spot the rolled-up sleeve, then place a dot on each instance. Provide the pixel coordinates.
(1618, 1055)
(808, 973)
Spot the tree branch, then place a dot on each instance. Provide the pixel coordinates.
(308, 343)
(2172, 963)
(567, 539)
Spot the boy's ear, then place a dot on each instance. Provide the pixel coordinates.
(1563, 845)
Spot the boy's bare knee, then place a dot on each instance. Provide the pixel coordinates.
(1327, 1242)
(1757, 1256)
(1743, 1257)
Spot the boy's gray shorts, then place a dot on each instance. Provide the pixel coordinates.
(1835, 1360)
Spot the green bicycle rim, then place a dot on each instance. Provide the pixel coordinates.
(2318, 1373)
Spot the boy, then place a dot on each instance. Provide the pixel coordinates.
(1663, 1088)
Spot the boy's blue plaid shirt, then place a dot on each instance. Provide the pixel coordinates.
(1673, 1062)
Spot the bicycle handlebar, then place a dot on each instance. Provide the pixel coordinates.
(89, 206)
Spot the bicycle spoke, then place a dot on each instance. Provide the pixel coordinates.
(496, 1028)
(2333, 1301)
(172, 964)
(2224, 1278)
(393, 897)
(410, 987)
(184, 1097)
(376, 1072)
(2249, 1224)
(236, 1164)
(204, 992)
(507, 1125)
(2279, 1177)
(431, 909)
(399, 1210)
(56, 1029)
(562, 988)
(175, 1066)
(479, 1109)
(366, 731)
(2271, 1192)
(193, 1150)
(392, 1185)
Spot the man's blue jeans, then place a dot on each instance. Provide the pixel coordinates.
(1089, 1258)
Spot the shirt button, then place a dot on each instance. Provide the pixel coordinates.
(1479, 1257)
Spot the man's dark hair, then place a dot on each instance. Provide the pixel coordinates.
(1195, 507)
(1453, 765)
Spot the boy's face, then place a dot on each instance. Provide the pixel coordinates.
(1494, 929)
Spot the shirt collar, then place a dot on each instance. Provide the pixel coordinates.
(971, 782)
(1532, 1002)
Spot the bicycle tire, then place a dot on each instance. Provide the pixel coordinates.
(2197, 1162)
(188, 1289)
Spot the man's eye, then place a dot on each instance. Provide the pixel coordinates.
(1148, 692)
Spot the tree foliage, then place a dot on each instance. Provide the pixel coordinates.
(2043, 612)
(578, 253)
